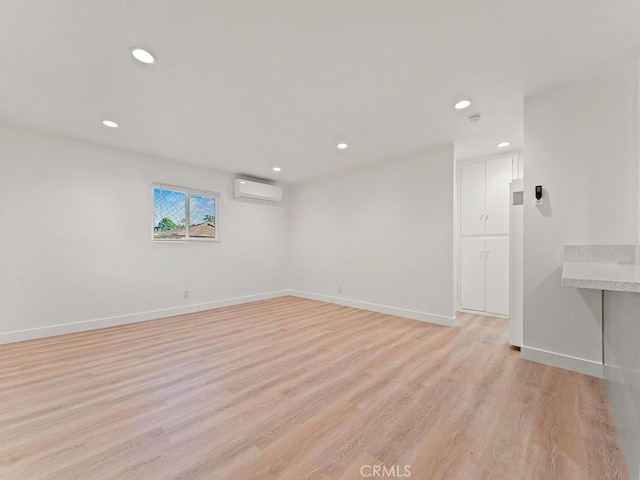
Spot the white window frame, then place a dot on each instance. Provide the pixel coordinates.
(188, 192)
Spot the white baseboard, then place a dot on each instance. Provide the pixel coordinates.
(484, 314)
(374, 307)
(580, 365)
(82, 326)
(60, 329)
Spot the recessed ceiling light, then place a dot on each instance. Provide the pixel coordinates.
(109, 123)
(276, 169)
(342, 146)
(462, 104)
(504, 144)
(142, 55)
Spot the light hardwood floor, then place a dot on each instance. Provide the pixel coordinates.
(296, 389)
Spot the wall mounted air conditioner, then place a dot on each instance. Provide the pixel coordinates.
(256, 190)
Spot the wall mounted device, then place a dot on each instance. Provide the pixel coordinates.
(256, 190)
(539, 195)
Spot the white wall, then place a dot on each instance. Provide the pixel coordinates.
(581, 145)
(384, 233)
(76, 240)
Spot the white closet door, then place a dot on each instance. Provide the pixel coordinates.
(472, 209)
(472, 263)
(497, 275)
(499, 175)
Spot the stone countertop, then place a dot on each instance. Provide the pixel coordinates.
(602, 267)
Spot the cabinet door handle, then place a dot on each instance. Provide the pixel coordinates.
(486, 216)
(488, 252)
(481, 216)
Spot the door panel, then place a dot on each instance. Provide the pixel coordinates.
(472, 263)
(497, 299)
(499, 175)
(472, 199)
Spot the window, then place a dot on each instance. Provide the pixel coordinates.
(184, 213)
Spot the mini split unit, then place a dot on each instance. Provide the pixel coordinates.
(256, 190)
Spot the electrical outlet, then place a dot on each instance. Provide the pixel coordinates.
(186, 294)
(339, 289)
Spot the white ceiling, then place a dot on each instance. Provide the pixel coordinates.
(246, 85)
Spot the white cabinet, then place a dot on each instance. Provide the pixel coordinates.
(484, 197)
(472, 200)
(499, 175)
(484, 236)
(485, 274)
(497, 289)
(472, 258)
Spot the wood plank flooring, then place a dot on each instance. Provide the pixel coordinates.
(297, 389)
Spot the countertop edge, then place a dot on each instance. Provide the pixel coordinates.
(595, 284)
